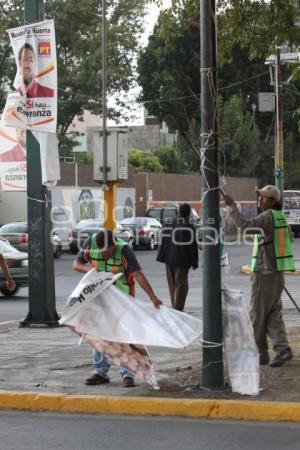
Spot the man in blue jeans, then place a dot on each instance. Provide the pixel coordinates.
(106, 253)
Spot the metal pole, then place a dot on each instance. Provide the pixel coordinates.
(40, 250)
(109, 188)
(104, 107)
(279, 176)
(212, 370)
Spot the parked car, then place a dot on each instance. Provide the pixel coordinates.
(87, 227)
(170, 212)
(16, 233)
(18, 266)
(166, 215)
(146, 231)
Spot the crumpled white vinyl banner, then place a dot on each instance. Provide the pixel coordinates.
(103, 314)
(240, 348)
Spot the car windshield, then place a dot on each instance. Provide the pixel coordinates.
(132, 221)
(6, 248)
(14, 228)
(155, 213)
(90, 224)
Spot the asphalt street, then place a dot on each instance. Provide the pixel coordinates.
(36, 431)
(66, 279)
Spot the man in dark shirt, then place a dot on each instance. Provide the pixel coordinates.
(108, 249)
(179, 251)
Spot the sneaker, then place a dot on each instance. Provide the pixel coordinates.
(264, 360)
(281, 357)
(96, 378)
(128, 382)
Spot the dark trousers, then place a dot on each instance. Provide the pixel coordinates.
(178, 285)
(266, 312)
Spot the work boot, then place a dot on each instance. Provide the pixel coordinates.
(264, 360)
(96, 378)
(281, 357)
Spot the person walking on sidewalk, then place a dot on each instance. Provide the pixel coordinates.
(107, 253)
(179, 251)
(272, 255)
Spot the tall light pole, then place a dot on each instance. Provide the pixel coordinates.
(109, 187)
(212, 369)
(279, 178)
(104, 94)
(40, 250)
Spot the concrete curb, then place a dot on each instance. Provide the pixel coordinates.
(194, 408)
(246, 271)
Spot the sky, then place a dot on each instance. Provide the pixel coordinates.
(136, 109)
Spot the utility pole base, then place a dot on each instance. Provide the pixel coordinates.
(47, 322)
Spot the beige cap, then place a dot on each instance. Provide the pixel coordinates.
(270, 191)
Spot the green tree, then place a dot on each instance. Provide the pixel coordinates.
(144, 161)
(238, 139)
(170, 159)
(78, 37)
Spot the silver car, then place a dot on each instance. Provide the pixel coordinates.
(146, 231)
(17, 263)
(16, 233)
(87, 227)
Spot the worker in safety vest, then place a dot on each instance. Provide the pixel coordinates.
(107, 253)
(272, 255)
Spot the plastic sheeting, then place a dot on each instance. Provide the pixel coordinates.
(240, 348)
(121, 326)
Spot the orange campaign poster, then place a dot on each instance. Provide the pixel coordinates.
(34, 103)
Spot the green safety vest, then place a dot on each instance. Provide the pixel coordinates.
(282, 244)
(112, 264)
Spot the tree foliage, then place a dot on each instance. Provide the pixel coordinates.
(78, 37)
(247, 32)
(238, 139)
(144, 161)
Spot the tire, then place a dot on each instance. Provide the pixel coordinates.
(7, 292)
(151, 244)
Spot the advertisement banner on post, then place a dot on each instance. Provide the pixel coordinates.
(34, 104)
(13, 166)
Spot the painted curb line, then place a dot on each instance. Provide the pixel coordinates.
(246, 271)
(194, 408)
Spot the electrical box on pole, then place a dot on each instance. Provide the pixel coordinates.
(117, 152)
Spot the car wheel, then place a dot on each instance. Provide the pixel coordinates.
(9, 293)
(58, 252)
(151, 244)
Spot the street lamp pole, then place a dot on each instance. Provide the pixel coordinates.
(40, 250)
(212, 369)
(279, 174)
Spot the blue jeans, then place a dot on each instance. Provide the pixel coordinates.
(101, 366)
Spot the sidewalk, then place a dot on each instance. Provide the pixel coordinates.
(49, 361)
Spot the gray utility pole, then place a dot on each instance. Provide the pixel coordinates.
(279, 177)
(40, 250)
(212, 370)
(104, 94)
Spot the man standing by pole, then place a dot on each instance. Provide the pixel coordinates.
(212, 371)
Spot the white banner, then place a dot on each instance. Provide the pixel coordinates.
(13, 166)
(34, 105)
(240, 347)
(120, 326)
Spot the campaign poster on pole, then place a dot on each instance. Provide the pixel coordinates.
(13, 166)
(34, 104)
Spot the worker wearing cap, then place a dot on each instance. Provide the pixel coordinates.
(272, 255)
